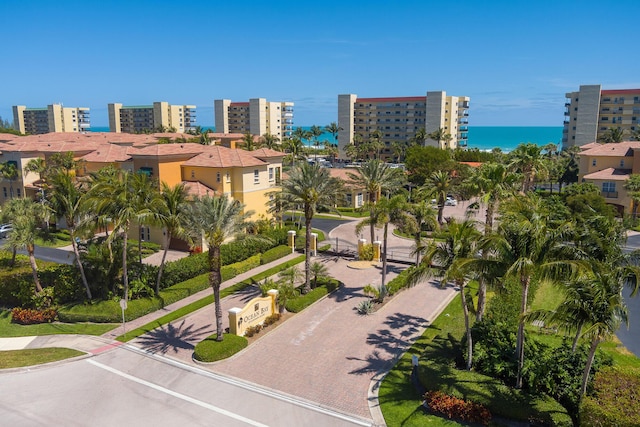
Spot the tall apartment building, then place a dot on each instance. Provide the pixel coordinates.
(53, 118)
(258, 116)
(141, 118)
(400, 118)
(591, 112)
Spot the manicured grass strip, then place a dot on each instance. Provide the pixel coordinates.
(8, 329)
(35, 356)
(210, 350)
(197, 305)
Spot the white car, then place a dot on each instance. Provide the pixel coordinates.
(4, 230)
(451, 202)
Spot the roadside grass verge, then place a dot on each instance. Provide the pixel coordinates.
(35, 356)
(210, 350)
(196, 305)
(9, 329)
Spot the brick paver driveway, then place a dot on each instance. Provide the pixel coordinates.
(329, 353)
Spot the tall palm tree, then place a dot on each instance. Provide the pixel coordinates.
(439, 136)
(26, 215)
(171, 217)
(115, 195)
(528, 160)
(438, 186)
(333, 129)
(215, 219)
(248, 143)
(458, 242)
(375, 144)
(313, 188)
(295, 148)
(147, 200)
(375, 177)
(68, 201)
(528, 248)
(10, 172)
(612, 136)
(420, 137)
(315, 132)
(394, 211)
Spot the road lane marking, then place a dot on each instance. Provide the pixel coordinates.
(178, 395)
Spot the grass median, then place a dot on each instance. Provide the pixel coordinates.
(203, 302)
(9, 329)
(35, 356)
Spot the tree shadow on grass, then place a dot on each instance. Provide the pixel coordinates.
(173, 337)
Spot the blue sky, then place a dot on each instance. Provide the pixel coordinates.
(515, 59)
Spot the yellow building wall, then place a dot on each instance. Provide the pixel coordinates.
(603, 162)
(623, 198)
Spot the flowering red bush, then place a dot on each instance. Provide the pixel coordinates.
(28, 316)
(452, 407)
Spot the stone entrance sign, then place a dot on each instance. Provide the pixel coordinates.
(253, 313)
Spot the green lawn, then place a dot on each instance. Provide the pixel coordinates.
(8, 329)
(35, 356)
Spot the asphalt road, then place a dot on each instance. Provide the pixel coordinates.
(126, 387)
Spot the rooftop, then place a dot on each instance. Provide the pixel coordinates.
(610, 174)
(620, 149)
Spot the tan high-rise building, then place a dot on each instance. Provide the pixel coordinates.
(53, 118)
(398, 119)
(258, 116)
(144, 118)
(591, 112)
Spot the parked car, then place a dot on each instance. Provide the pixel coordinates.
(4, 230)
(451, 202)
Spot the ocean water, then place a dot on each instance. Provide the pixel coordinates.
(481, 137)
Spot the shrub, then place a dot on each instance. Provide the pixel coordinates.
(270, 320)
(296, 305)
(365, 252)
(615, 400)
(274, 254)
(399, 282)
(27, 316)
(365, 307)
(210, 350)
(252, 330)
(452, 407)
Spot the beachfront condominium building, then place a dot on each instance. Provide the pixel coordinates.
(399, 119)
(258, 116)
(591, 112)
(53, 118)
(161, 116)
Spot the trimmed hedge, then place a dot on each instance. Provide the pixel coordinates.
(399, 282)
(210, 350)
(109, 311)
(274, 254)
(298, 304)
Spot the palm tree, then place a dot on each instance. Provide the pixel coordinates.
(248, 143)
(375, 177)
(420, 137)
(423, 214)
(439, 136)
(170, 217)
(375, 144)
(215, 219)
(632, 185)
(146, 199)
(295, 148)
(319, 271)
(392, 211)
(26, 215)
(438, 186)
(612, 135)
(333, 129)
(526, 249)
(528, 160)
(68, 201)
(270, 141)
(9, 172)
(312, 187)
(315, 133)
(115, 195)
(494, 182)
(444, 259)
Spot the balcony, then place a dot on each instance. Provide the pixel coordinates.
(609, 194)
(464, 128)
(567, 113)
(463, 121)
(463, 104)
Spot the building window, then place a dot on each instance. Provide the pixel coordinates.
(228, 177)
(270, 174)
(4, 189)
(608, 187)
(18, 192)
(218, 177)
(622, 163)
(593, 162)
(146, 171)
(349, 199)
(256, 176)
(193, 173)
(359, 200)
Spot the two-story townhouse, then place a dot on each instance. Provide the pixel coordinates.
(608, 166)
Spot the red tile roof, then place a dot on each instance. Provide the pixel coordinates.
(182, 150)
(266, 153)
(198, 189)
(472, 164)
(620, 149)
(217, 156)
(610, 174)
(108, 153)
